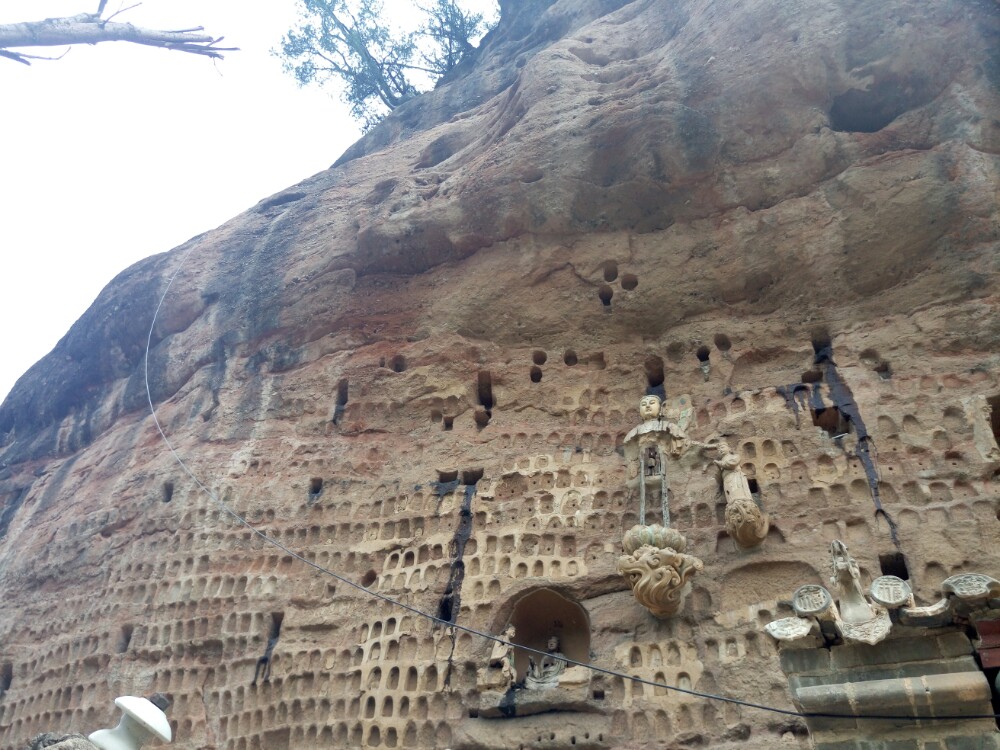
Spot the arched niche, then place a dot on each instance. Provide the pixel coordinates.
(543, 613)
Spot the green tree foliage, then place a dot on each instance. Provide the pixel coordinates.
(379, 67)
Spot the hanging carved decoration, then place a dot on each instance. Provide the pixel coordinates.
(860, 619)
(655, 564)
(746, 523)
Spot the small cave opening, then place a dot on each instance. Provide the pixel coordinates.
(889, 96)
(124, 639)
(168, 492)
(610, 271)
(338, 409)
(894, 564)
(570, 358)
(436, 415)
(368, 578)
(482, 418)
(447, 477)
(484, 389)
(822, 344)
(6, 676)
(539, 357)
(654, 375)
(447, 423)
(722, 342)
(471, 477)
(398, 363)
(277, 618)
(832, 421)
(536, 374)
(315, 488)
(703, 353)
(605, 293)
(755, 491)
(994, 404)
(884, 370)
(629, 282)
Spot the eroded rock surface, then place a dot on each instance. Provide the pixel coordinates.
(415, 369)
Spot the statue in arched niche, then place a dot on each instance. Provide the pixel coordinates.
(545, 672)
(746, 523)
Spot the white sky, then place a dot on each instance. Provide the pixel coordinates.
(117, 152)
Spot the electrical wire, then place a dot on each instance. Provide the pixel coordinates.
(472, 631)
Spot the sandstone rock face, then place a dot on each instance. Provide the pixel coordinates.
(415, 369)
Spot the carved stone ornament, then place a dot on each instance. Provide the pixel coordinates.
(810, 600)
(856, 618)
(790, 628)
(746, 523)
(971, 587)
(891, 592)
(658, 577)
(654, 535)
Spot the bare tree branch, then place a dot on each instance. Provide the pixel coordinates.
(90, 28)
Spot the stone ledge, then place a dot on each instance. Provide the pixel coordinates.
(962, 694)
(518, 702)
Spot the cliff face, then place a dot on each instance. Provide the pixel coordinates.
(610, 193)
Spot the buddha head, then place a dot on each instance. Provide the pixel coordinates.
(649, 407)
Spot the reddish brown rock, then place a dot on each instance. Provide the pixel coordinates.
(488, 282)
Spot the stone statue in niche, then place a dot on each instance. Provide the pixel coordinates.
(502, 657)
(655, 564)
(746, 523)
(545, 672)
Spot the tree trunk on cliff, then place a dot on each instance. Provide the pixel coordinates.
(91, 28)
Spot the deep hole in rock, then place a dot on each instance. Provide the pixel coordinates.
(889, 96)
(629, 282)
(894, 564)
(570, 357)
(994, 402)
(539, 357)
(436, 415)
(471, 476)
(536, 374)
(447, 477)
(482, 417)
(398, 363)
(6, 676)
(368, 578)
(754, 490)
(605, 293)
(722, 342)
(831, 420)
(448, 423)
(338, 409)
(822, 344)
(124, 639)
(484, 389)
(610, 271)
(279, 617)
(654, 371)
(315, 487)
(168, 491)
(703, 353)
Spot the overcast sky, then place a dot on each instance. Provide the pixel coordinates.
(117, 152)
